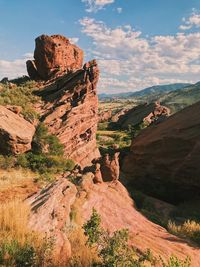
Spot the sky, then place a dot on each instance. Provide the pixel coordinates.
(137, 43)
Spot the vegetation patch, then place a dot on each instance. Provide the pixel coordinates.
(189, 229)
(22, 96)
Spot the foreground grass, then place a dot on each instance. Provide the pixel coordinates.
(19, 246)
(189, 229)
(13, 178)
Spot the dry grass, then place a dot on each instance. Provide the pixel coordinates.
(14, 230)
(14, 220)
(82, 255)
(17, 183)
(189, 229)
(15, 177)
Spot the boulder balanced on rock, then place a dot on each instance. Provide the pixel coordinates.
(53, 55)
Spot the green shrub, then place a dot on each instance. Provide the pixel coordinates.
(14, 254)
(43, 139)
(113, 250)
(175, 262)
(45, 163)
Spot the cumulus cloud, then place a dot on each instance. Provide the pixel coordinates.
(14, 68)
(96, 5)
(129, 61)
(191, 21)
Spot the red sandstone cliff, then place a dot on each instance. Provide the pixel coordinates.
(70, 111)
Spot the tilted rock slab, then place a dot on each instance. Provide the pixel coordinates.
(51, 209)
(51, 213)
(71, 112)
(53, 55)
(15, 133)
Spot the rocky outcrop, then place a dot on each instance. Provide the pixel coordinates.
(70, 112)
(105, 115)
(164, 158)
(15, 133)
(110, 167)
(53, 55)
(118, 114)
(51, 210)
(145, 112)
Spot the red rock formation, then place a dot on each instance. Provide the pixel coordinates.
(147, 112)
(117, 115)
(51, 213)
(105, 115)
(71, 112)
(53, 55)
(110, 167)
(15, 133)
(165, 157)
(97, 174)
(51, 209)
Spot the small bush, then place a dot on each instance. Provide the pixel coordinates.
(45, 163)
(113, 250)
(175, 262)
(44, 141)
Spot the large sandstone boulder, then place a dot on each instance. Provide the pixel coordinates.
(165, 159)
(53, 55)
(70, 112)
(15, 133)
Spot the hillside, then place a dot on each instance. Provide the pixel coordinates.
(182, 98)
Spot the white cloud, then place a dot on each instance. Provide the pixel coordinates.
(129, 61)
(14, 68)
(119, 10)
(96, 5)
(74, 40)
(192, 21)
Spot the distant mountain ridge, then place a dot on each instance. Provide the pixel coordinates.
(157, 89)
(182, 98)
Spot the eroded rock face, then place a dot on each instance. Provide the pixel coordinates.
(15, 133)
(164, 158)
(71, 112)
(53, 55)
(51, 209)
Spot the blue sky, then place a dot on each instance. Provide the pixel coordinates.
(138, 43)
